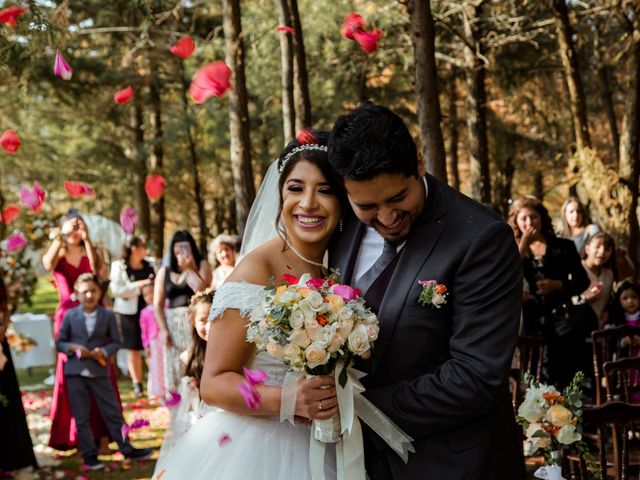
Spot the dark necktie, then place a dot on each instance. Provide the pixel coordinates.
(385, 258)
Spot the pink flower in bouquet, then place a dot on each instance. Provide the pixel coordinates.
(128, 220)
(285, 29)
(123, 96)
(10, 141)
(346, 292)
(9, 15)
(10, 213)
(210, 80)
(254, 377)
(33, 198)
(352, 23)
(316, 283)
(184, 47)
(224, 439)
(61, 67)
(428, 282)
(16, 242)
(154, 187)
(78, 189)
(368, 41)
(250, 395)
(174, 399)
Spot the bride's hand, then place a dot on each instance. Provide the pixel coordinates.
(316, 398)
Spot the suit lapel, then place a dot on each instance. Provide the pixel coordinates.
(416, 251)
(344, 247)
(81, 323)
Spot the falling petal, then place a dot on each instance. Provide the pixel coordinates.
(154, 186)
(33, 198)
(124, 95)
(184, 47)
(368, 40)
(10, 141)
(210, 80)
(61, 68)
(9, 15)
(305, 136)
(352, 23)
(254, 377)
(139, 423)
(128, 220)
(250, 395)
(224, 439)
(160, 475)
(173, 400)
(124, 431)
(9, 214)
(16, 242)
(283, 28)
(78, 189)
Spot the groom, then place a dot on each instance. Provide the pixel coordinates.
(438, 371)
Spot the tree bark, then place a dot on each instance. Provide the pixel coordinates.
(607, 97)
(135, 151)
(429, 116)
(630, 141)
(571, 67)
(156, 164)
(475, 74)
(240, 148)
(453, 132)
(286, 63)
(193, 154)
(3, 226)
(301, 76)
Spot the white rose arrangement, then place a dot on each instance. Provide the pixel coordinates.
(311, 324)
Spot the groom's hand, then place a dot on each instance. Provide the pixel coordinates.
(316, 398)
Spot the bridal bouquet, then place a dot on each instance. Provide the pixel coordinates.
(552, 420)
(312, 323)
(20, 342)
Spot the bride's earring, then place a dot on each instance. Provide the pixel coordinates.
(340, 225)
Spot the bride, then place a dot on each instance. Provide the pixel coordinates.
(234, 441)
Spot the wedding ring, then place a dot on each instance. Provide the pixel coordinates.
(320, 405)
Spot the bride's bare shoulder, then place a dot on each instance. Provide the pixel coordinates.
(260, 265)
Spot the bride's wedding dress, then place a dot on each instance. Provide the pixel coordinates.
(224, 445)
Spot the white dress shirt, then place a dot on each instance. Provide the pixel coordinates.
(90, 320)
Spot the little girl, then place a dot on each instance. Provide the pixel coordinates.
(190, 408)
(600, 264)
(153, 345)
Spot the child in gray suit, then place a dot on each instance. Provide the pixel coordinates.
(89, 336)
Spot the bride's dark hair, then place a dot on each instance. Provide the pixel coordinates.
(287, 161)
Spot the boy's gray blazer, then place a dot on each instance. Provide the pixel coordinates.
(105, 336)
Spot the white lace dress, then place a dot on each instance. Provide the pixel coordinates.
(224, 445)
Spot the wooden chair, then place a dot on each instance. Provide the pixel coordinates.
(527, 359)
(613, 421)
(622, 379)
(607, 347)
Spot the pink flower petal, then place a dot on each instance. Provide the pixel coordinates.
(305, 136)
(61, 67)
(33, 198)
(173, 401)
(9, 15)
(316, 283)
(16, 242)
(10, 141)
(368, 41)
(124, 431)
(250, 395)
(352, 23)
(224, 439)
(123, 96)
(254, 377)
(345, 291)
(154, 186)
(139, 423)
(184, 47)
(210, 80)
(78, 189)
(128, 220)
(285, 29)
(9, 214)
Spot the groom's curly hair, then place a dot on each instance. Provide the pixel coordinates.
(369, 141)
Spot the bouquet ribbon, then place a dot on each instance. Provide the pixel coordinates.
(353, 406)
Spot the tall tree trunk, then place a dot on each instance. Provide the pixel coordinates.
(429, 117)
(156, 163)
(538, 185)
(607, 97)
(301, 76)
(3, 226)
(571, 67)
(135, 152)
(286, 63)
(197, 188)
(475, 73)
(630, 141)
(453, 131)
(238, 114)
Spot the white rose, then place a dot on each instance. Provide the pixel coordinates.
(313, 328)
(315, 301)
(336, 343)
(297, 362)
(567, 435)
(370, 319)
(316, 355)
(372, 331)
(533, 407)
(299, 338)
(344, 328)
(538, 442)
(263, 325)
(437, 299)
(359, 340)
(296, 319)
(345, 314)
(290, 351)
(289, 296)
(274, 349)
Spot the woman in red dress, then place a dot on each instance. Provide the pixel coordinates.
(71, 253)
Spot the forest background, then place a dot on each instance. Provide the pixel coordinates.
(505, 98)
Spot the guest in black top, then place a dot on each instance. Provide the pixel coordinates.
(16, 449)
(188, 272)
(553, 274)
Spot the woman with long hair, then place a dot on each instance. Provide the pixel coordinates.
(575, 224)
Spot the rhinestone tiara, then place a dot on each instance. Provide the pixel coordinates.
(302, 148)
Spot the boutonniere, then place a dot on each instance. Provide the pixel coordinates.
(433, 294)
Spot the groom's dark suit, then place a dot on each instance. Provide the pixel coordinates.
(441, 374)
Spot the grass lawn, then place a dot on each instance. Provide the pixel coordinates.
(44, 299)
